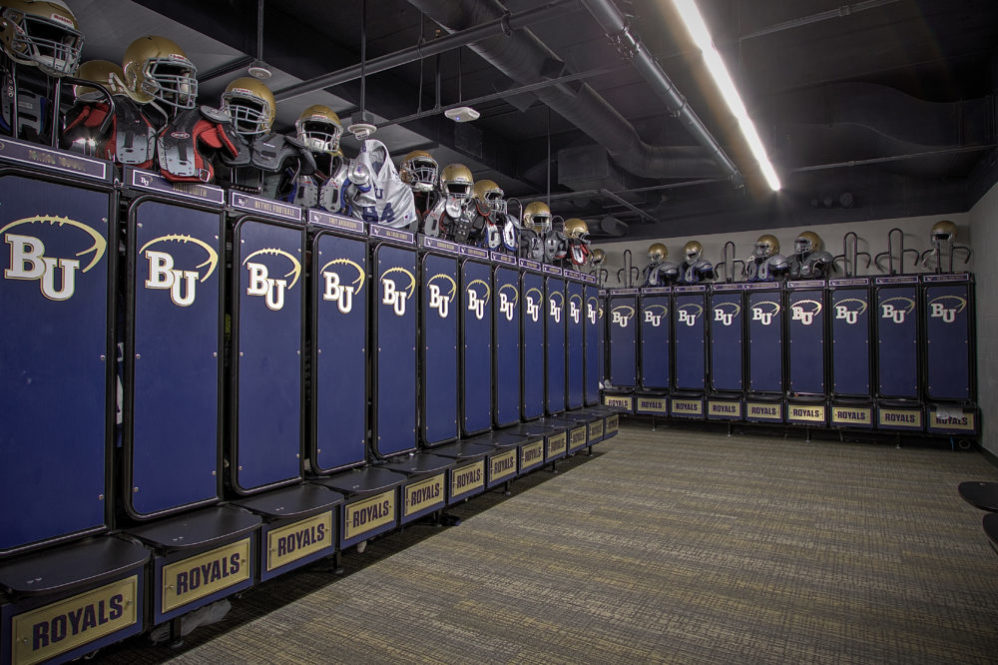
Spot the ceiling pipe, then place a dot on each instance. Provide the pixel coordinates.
(631, 48)
(523, 58)
(502, 25)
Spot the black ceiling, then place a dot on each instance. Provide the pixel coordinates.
(870, 109)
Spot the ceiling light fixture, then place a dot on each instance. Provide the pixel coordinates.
(698, 31)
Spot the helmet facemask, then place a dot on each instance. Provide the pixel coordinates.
(763, 249)
(250, 114)
(458, 190)
(320, 136)
(496, 202)
(803, 246)
(423, 174)
(172, 81)
(693, 254)
(51, 44)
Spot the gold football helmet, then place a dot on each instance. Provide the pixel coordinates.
(576, 228)
(456, 181)
(419, 170)
(105, 72)
(41, 34)
(807, 242)
(491, 194)
(156, 68)
(251, 105)
(692, 251)
(766, 246)
(657, 252)
(320, 129)
(537, 216)
(598, 256)
(944, 231)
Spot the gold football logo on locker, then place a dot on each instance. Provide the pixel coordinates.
(509, 297)
(261, 284)
(335, 289)
(478, 294)
(391, 294)
(532, 301)
(29, 261)
(182, 284)
(621, 315)
(440, 298)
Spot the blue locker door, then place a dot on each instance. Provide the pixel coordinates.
(172, 430)
(340, 314)
(688, 340)
(897, 341)
(506, 313)
(267, 343)
(557, 307)
(476, 359)
(395, 350)
(532, 346)
(623, 340)
(54, 359)
(593, 345)
(948, 354)
(440, 349)
(574, 369)
(726, 321)
(765, 342)
(806, 337)
(655, 341)
(851, 342)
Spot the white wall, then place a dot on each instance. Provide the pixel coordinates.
(984, 227)
(872, 234)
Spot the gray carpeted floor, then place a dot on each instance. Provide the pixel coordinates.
(668, 546)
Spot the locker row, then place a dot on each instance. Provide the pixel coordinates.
(208, 389)
(893, 353)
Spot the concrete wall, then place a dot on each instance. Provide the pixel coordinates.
(873, 239)
(984, 228)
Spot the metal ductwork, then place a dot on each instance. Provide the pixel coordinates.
(524, 58)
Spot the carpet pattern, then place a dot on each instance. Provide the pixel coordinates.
(672, 546)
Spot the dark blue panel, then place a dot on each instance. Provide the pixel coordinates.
(574, 375)
(53, 369)
(340, 310)
(688, 323)
(623, 341)
(507, 346)
(532, 350)
(175, 386)
(851, 342)
(897, 342)
(593, 345)
(765, 342)
(947, 355)
(806, 336)
(557, 308)
(268, 334)
(440, 345)
(655, 341)
(476, 361)
(395, 351)
(726, 321)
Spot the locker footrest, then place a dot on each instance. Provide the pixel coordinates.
(499, 439)
(420, 464)
(199, 529)
(366, 480)
(983, 495)
(71, 566)
(462, 451)
(290, 502)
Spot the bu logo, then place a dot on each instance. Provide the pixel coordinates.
(725, 313)
(261, 284)
(689, 314)
(438, 301)
(477, 303)
(555, 309)
(575, 312)
(182, 284)
(764, 311)
(896, 309)
(533, 308)
(946, 307)
(849, 310)
(337, 292)
(391, 295)
(654, 319)
(506, 306)
(805, 311)
(591, 313)
(28, 260)
(621, 315)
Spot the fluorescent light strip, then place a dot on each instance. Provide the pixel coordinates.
(697, 28)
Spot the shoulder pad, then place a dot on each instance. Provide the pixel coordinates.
(215, 115)
(293, 140)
